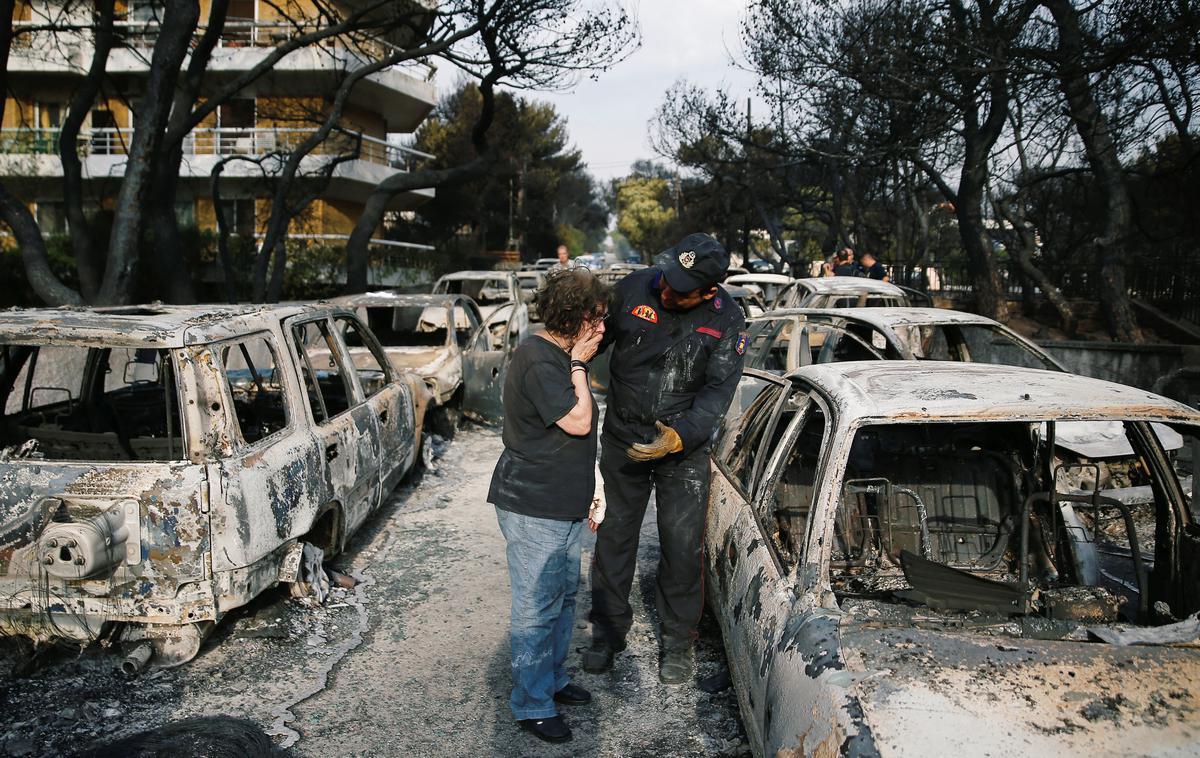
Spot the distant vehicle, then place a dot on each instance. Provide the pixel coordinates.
(902, 562)
(759, 266)
(785, 339)
(545, 264)
(489, 290)
(164, 465)
(531, 282)
(840, 292)
(633, 259)
(748, 297)
(769, 284)
(416, 334)
(588, 261)
(616, 272)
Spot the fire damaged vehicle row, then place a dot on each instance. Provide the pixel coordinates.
(904, 562)
(161, 466)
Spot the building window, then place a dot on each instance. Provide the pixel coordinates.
(185, 213)
(239, 216)
(105, 138)
(235, 124)
(51, 115)
(239, 23)
(236, 114)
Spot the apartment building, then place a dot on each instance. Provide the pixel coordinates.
(277, 111)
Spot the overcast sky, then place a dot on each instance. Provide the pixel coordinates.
(681, 39)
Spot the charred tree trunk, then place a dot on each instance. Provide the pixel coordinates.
(16, 214)
(154, 107)
(42, 279)
(223, 253)
(1022, 247)
(991, 298)
(88, 264)
(1096, 134)
(358, 256)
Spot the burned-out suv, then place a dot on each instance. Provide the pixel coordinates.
(905, 563)
(163, 465)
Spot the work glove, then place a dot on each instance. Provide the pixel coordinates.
(665, 443)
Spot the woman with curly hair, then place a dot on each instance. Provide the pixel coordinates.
(542, 488)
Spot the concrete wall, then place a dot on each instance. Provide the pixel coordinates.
(1139, 365)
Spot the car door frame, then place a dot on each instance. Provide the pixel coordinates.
(485, 368)
(745, 570)
(804, 639)
(349, 440)
(286, 464)
(392, 407)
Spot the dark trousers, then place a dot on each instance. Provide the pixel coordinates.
(681, 497)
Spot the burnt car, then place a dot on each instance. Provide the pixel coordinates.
(748, 297)
(842, 292)
(424, 335)
(785, 339)
(531, 282)
(490, 290)
(163, 465)
(902, 562)
(610, 275)
(770, 285)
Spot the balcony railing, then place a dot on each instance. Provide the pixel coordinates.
(238, 33)
(218, 142)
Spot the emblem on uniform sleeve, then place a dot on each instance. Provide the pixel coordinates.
(687, 259)
(742, 341)
(646, 313)
(718, 304)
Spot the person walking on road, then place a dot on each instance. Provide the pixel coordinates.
(678, 341)
(542, 489)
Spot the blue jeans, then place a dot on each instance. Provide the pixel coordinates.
(543, 569)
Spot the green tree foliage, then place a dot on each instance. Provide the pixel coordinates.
(538, 195)
(645, 215)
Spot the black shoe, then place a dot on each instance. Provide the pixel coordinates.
(573, 694)
(552, 729)
(675, 666)
(599, 657)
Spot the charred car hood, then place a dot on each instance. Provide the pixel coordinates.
(928, 692)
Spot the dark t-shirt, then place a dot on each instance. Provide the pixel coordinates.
(876, 270)
(543, 471)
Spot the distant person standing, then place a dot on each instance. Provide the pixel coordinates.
(564, 259)
(871, 268)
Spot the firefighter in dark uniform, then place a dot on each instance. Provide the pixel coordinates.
(677, 340)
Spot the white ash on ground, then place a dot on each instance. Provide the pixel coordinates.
(414, 659)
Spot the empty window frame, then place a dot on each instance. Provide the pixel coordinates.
(370, 363)
(94, 403)
(328, 388)
(260, 399)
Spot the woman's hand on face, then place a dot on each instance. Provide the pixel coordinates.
(585, 347)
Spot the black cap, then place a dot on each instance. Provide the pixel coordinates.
(696, 261)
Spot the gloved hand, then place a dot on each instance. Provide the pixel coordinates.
(665, 443)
